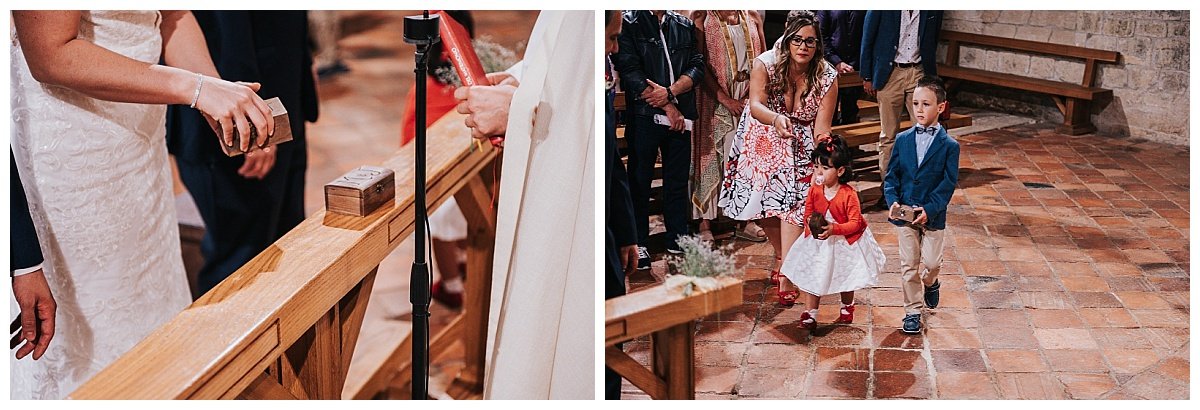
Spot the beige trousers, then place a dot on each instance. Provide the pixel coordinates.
(918, 247)
(895, 96)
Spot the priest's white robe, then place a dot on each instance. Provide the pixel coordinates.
(541, 342)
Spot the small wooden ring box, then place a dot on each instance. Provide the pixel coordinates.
(360, 191)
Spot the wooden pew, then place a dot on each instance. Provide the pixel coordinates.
(670, 320)
(286, 325)
(1073, 100)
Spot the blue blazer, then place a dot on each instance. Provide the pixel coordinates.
(930, 185)
(881, 37)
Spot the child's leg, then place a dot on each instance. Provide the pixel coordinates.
(932, 245)
(909, 241)
(848, 298)
(811, 301)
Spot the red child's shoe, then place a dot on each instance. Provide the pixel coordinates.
(808, 321)
(439, 293)
(788, 299)
(847, 314)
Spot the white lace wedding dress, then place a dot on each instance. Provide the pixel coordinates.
(99, 188)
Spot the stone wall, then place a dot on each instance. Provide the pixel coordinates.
(1150, 83)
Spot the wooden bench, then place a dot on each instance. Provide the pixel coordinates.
(288, 323)
(670, 320)
(1073, 100)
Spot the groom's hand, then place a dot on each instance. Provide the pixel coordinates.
(37, 314)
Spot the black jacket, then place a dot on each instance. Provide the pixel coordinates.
(23, 249)
(268, 47)
(641, 57)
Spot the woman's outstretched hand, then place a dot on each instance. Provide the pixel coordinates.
(230, 105)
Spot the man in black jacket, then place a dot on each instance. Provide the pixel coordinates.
(659, 63)
(248, 201)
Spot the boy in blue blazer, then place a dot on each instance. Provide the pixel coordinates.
(922, 173)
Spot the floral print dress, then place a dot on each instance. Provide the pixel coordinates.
(767, 175)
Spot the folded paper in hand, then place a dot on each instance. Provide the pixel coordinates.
(663, 120)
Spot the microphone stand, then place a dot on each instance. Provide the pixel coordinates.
(421, 31)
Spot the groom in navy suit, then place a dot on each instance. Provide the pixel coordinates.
(248, 201)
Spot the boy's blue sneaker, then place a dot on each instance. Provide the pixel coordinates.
(933, 294)
(912, 324)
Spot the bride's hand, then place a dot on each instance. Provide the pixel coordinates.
(229, 104)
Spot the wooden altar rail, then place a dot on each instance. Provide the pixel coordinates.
(286, 324)
(670, 320)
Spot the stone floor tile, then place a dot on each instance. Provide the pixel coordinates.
(947, 317)
(1002, 318)
(1073, 268)
(1161, 317)
(842, 358)
(1086, 386)
(787, 356)
(1142, 300)
(1130, 361)
(840, 336)
(1176, 368)
(717, 379)
(772, 383)
(902, 385)
(1016, 361)
(959, 360)
(723, 331)
(779, 333)
(893, 338)
(1151, 384)
(719, 353)
(885, 360)
(1000, 338)
(1068, 338)
(1107, 317)
(1084, 284)
(1094, 300)
(958, 386)
(1030, 386)
(952, 338)
(1075, 360)
(1054, 318)
(838, 384)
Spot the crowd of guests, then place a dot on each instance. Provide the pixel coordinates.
(743, 127)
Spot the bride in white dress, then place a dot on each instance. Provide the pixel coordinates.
(88, 111)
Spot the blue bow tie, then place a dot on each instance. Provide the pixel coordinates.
(926, 130)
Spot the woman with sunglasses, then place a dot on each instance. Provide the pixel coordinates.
(793, 96)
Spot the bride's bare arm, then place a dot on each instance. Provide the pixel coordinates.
(50, 43)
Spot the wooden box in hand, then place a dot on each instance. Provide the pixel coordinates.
(360, 191)
(283, 131)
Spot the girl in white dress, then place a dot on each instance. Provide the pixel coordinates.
(842, 256)
(89, 101)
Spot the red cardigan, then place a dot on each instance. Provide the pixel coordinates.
(847, 212)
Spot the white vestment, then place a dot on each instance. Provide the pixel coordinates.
(541, 339)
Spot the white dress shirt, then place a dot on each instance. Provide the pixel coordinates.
(924, 140)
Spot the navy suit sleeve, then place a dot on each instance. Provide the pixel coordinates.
(230, 36)
(891, 182)
(628, 62)
(939, 198)
(866, 56)
(825, 20)
(929, 45)
(24, 251)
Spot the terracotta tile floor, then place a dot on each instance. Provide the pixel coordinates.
(1077, 290)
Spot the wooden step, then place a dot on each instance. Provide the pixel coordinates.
(375, 360)
(868, 132)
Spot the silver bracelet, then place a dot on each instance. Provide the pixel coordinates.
(199, 85)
